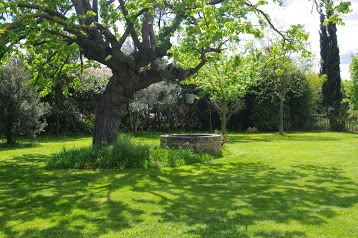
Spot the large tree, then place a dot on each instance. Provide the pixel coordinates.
(329, 11)
(188, 30)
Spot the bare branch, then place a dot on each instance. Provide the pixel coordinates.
(236, 107)
(130, 24)
(145, 29)
(189, 72)
(107, 33)
(267, 18)
(123, 38)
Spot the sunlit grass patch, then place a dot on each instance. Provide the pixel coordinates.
(298, 185)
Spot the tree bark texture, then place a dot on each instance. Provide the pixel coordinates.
(112, 107)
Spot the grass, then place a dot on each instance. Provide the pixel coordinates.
(124, 154)
(297, 185)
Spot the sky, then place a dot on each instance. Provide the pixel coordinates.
(300, 12)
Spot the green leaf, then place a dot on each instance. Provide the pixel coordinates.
(90, 14)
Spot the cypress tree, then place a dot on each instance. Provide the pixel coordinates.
(324, 45)
(330, 62)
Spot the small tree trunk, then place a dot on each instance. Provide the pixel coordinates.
(281, 116)
(9, 134)
(57, 132)
(10, 139)
(57, 106)
(223, 117)
(131, 119)
(210, 119)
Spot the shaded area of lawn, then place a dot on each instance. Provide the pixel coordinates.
(224, 201)
(38, 203)
(219, 202)
(8, 147)
(230, 197)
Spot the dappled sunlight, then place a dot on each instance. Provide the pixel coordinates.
(235, 196)
(243, 195)
(66, 203)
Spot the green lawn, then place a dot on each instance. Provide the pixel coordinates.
(299, 185)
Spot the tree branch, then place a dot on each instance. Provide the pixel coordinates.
(145, 30)
(123, 38)
(130, 25)
(107, 33)
(267, 18)
(28, 16)
(95, 9)
(46, 10)
(65, 37)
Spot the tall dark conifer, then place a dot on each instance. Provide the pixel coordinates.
(324, 44)
(330, 62)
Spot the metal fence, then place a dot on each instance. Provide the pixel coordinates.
(326, 123)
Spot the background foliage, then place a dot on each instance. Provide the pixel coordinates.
(20, 107)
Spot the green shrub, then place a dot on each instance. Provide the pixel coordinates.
(121, 155)
(176, 157)
(86, 125)
(124, 154)
(265, 115)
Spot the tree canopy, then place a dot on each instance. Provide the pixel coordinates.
(188, 31)
(100, 28)
(278, 70)
(226, 80)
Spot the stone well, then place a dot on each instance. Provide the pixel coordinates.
(201, 143)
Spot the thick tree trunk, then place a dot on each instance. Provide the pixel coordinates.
(112, 106)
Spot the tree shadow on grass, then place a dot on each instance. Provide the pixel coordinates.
(19, 145)
(230, 200)
(210, 200)
(35, 202)
(280, 234)
(62, 138)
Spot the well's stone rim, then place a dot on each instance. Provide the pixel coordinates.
(198, 142)
(191, 135)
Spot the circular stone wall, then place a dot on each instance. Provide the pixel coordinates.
(202, 143)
